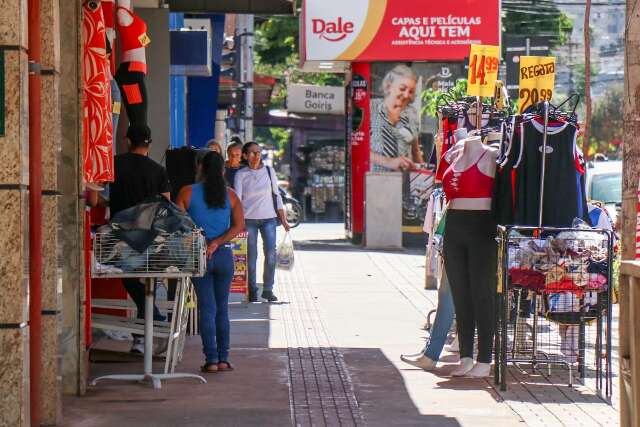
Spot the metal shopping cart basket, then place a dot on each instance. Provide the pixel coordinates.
(172, 255)
(554, 304)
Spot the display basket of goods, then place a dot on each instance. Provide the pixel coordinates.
(152, 239)
(554, 302)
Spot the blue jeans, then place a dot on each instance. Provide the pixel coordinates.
(213, 303)
(443, 321)
(267, 229)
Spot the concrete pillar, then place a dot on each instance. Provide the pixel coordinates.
(14, 180)
(70, 205)
(221, 130)
(51, 387)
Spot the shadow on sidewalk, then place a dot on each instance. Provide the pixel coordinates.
(540, 387)
(257, 393)
(382, 393)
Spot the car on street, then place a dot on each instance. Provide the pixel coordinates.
(604, 184)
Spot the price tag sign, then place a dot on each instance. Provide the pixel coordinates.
(484, 61)
(537, 80)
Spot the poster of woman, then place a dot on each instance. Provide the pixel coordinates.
(395, 123)
(401, 139)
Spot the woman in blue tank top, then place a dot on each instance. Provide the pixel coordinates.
(217, 210)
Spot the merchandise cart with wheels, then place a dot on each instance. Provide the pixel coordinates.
(171, 256)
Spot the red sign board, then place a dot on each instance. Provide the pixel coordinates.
(393, 30)
(360, 91)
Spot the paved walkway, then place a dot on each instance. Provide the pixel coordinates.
(328, 354)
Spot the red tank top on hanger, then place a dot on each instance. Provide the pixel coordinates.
(470, 183)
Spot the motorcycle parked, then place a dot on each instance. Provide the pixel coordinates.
(292, 207)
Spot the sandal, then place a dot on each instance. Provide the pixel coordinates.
(209, 368)
(225, 366)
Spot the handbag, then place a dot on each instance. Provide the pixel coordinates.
(274, 196)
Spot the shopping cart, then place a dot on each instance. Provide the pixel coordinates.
(554, 303)
(170, 256)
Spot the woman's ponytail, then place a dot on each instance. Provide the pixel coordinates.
(215, 186)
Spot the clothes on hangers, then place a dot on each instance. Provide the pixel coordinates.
(435, 210)
(97, 123)
(517, 191)
(599, 217)
(451, 125)
(448, 127)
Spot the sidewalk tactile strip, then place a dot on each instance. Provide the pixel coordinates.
(321, 389)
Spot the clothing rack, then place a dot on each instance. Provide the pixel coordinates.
(581, 322)
(540, 342)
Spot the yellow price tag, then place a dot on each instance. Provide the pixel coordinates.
(484, 61)
(537, 80)
(144, 39)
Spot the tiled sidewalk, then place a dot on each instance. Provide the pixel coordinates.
(328, 355)
(539, 399)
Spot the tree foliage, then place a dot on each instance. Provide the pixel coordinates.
(276, 39)
(433, 98)
(606, 123)
(541, 18)
(273, 137)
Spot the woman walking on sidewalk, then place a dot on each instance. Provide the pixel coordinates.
(218, 211)
(257, 187)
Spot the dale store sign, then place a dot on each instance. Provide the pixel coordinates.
(388, 30)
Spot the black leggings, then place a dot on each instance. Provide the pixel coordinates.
(470, 257)
(134, 93)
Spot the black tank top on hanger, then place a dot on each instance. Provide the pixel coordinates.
(562, 193)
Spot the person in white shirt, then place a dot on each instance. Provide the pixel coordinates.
(256, 186)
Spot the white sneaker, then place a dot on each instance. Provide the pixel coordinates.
(138, 346)
(466, 364)
(422, 362)
(454, 347)
(480, 370)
